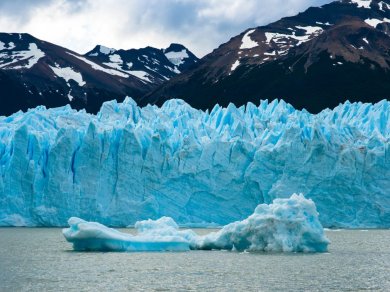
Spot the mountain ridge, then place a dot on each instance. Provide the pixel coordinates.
(266, 62)
(149, 64)
(34, 72)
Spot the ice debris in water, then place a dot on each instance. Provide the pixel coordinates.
(286, 225)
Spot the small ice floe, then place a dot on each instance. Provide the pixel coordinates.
(286, 225)
(333, 230)
(93, 236)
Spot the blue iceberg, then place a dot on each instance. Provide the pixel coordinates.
(200, 168)
(93, 236)
(286, 225)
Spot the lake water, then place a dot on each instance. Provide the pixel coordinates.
(41, 260)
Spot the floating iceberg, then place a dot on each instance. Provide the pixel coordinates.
(286, 225)
(129, 163)
(93, 236)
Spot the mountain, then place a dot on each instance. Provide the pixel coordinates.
(149, 64)
(34, 72)
(314, 60)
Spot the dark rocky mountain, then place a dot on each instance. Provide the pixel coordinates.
(149, 64)
(34, 72)
(313, 60)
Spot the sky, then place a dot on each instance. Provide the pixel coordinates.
(200, 25)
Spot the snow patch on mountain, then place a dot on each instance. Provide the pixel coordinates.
(279, 38)
(105, 50)
(140, 74)
(100, 68)
(383, 5)
(28, 57)
(235, 65)
(116, 62)
(67, 73)
(177, 58)
(362, 3)
(3, 46)
(273, 53)
(374, 22)
(247, 42)
(116, 59)
(310, 30)
(11, 46)
(326, 23)
(70, 96)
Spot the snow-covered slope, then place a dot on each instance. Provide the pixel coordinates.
(35, 72)
(314, 60)
(151, 65)
(129, 163)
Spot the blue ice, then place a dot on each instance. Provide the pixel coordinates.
(128, 163)
(286, 225)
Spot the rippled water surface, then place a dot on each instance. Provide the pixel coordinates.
(41, 260)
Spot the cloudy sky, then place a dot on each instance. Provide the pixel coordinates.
(201, 25)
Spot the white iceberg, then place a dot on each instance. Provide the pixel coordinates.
(286, 225)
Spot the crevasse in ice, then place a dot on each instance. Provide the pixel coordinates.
(128, 163)
(286, 225)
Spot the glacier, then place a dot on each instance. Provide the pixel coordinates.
(127, 163)
(286, 225)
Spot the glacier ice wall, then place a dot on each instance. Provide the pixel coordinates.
(128, 163)
(286, 225)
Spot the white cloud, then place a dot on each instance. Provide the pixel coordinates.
(201, 25)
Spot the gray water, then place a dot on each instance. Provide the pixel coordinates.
(41, 260)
